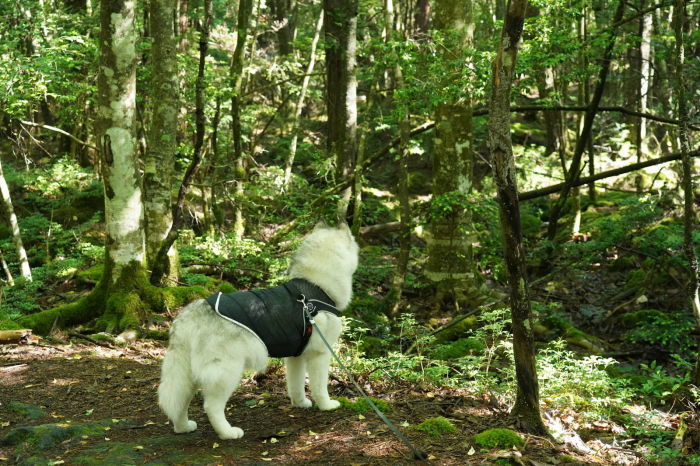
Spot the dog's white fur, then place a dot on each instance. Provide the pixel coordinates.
(209, 353)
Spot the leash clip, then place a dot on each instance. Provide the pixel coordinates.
(308, 308)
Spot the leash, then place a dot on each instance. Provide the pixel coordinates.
(308, 309)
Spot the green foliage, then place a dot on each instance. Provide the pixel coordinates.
(457, 349)
(362, 406)
(437, 426)
(498, 438)
(668, 332)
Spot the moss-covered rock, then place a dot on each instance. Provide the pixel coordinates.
(91, 275)
(498, 438)
(437, 426)
(362, 406)
(457, 328)
(562, 327)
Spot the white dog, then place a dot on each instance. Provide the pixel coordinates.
(209, 349)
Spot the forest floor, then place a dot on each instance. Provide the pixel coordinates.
(87, 404)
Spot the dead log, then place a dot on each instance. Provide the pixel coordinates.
(15, 336)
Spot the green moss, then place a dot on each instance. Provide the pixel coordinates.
(635, 278)
(91, 275)
(458, 330)
(634, 319)
(9, 325)
(362, 406)
(437, 426)
(458, 349)
(572, 335)
(226, 287)
(498, 438)
(530, 225)
(27, 410)
(157, 335)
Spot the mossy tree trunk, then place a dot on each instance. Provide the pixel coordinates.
(450, 265)
(123, 298)
(9, 210)
(689, 209)
(527, 406)
(159, 162)
(340, 24)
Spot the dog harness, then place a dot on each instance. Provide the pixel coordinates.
(276, 315)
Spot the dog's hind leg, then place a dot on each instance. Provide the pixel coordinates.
(296, 375)
(317, 364)
(218, 382)
(175, 392)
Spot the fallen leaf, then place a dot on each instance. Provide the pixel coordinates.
(405, 424)
(273, 440)
(360, 417)
(265, 453)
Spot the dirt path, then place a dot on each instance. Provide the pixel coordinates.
(93, 405)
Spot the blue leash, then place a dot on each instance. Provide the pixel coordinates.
(308, 308)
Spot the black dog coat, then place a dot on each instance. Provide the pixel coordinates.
(276, 315)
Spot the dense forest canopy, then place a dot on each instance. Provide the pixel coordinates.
(521, 177)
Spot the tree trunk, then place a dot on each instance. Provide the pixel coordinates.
(689, 209)
(245, 10)
(158, 272)
(340, 23)
(123, 298)
(451, 265)
(527, 406)
(300, 102)
(24, 268)
(159, 163)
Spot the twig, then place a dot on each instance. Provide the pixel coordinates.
(58, 130)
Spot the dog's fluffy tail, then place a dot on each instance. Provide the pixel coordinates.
(176, 382)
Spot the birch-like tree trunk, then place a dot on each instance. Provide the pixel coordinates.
(159, 163)
(690, 211)
(24, 268)
(526, 410)
(450, 256)
(340, 23)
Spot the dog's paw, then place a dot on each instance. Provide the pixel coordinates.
(305, 403)
(191, 426)
(232, 433)
(329, 405)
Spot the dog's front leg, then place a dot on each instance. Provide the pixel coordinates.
(317, 364)
(296, 373)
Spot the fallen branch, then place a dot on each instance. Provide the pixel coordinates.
(60, 131)
(528, 195)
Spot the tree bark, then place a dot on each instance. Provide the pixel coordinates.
(9, 210)
(161, 260)
(340, 24)
(582, 141)
(689, 209)
(159, 163)
(526, 410)
(450, 265)
(245, 10)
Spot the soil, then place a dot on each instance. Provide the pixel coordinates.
(86, 404)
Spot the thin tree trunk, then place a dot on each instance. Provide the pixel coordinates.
(159, 163)
(8, 275)
(526, 410)
(245, 10)
(582, 141)
(689, 209)
(300, 102)
(24, 268)
(158, 269)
